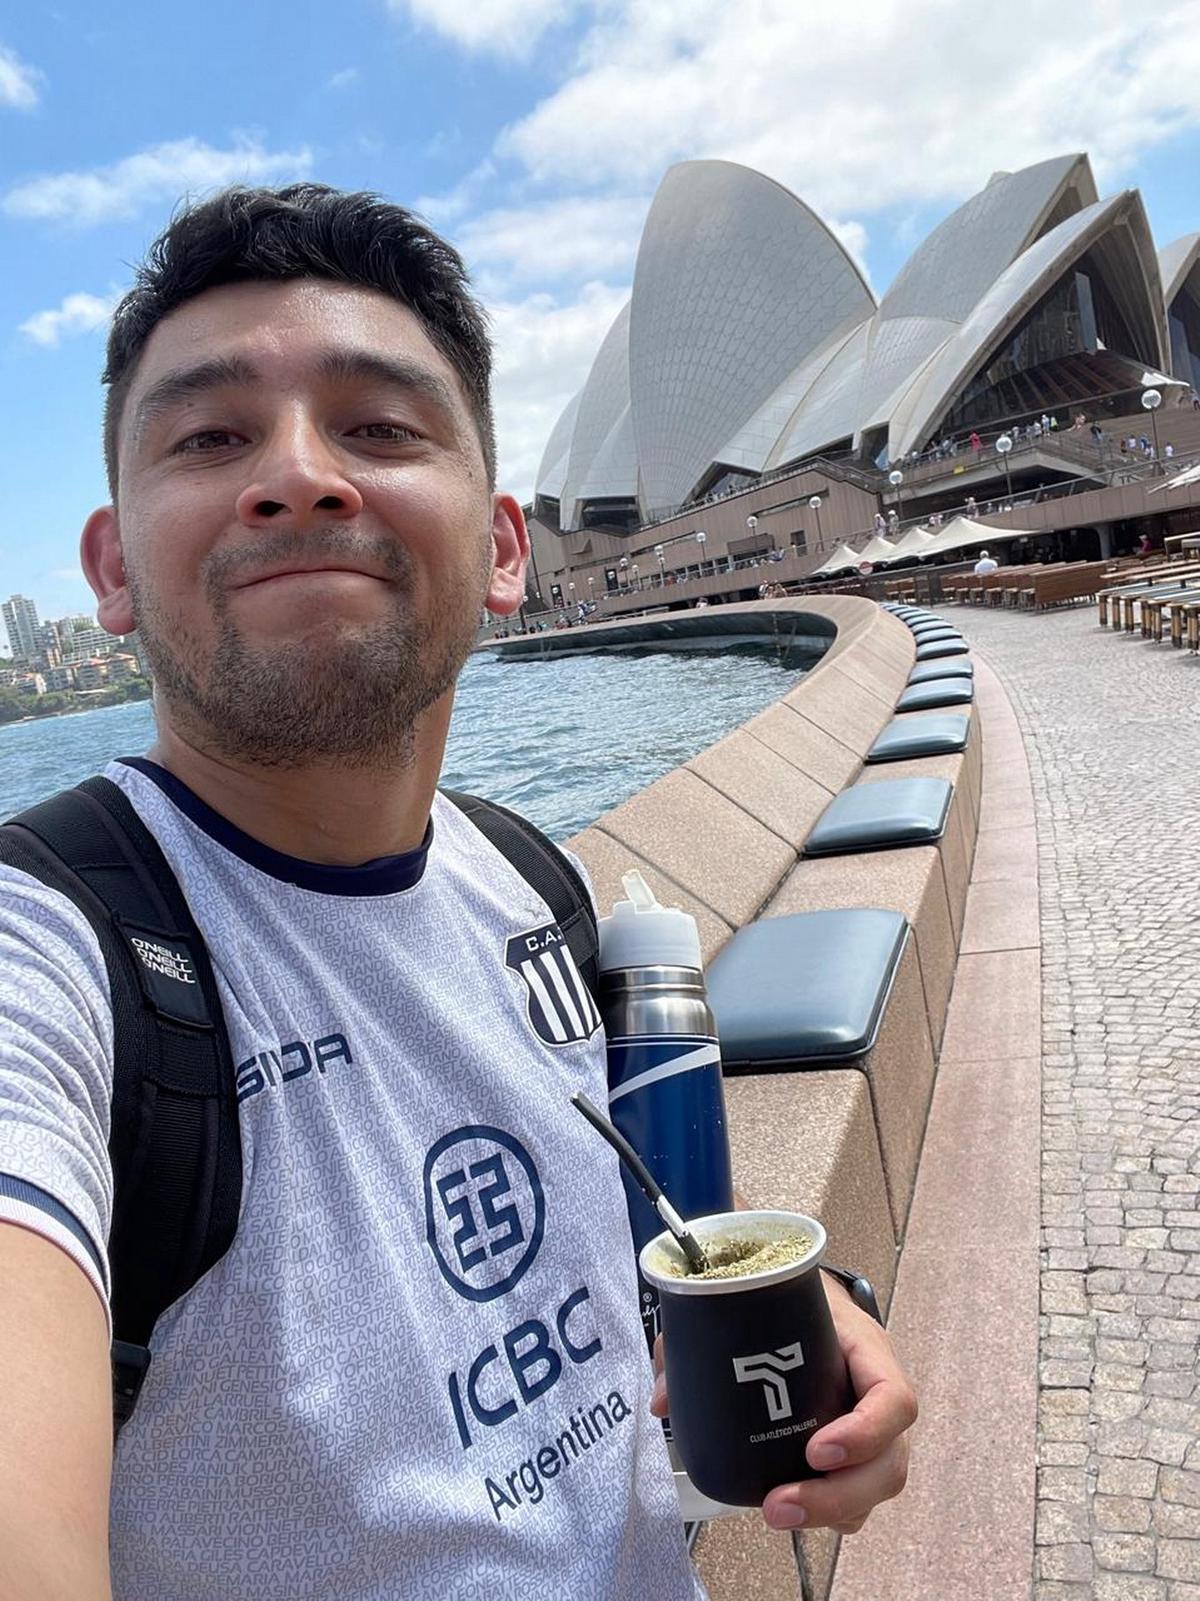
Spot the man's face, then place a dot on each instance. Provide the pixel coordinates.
(304, 521)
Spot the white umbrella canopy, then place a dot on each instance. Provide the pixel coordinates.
(963, 533)
(1189, 475)
(914, 543)
(842, 559)
(877, 550)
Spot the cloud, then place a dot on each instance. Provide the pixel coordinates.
(858, 107)
(343, 79)
(162, 173)
(504, 27)
(577, 237)
(544, 350)
(462, 198)
(78, 314)
(18, 82)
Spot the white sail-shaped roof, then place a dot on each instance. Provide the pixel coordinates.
(552, 474)
(947, 274)
(604, 399)
(1175, 262)
(1015, 292)
(751, 340)
(756, 446)
(736, 283)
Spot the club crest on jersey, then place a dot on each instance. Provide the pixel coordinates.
(560, 1007)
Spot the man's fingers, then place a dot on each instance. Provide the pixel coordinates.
(841, 1499)
(658, 1396)
(885, 1411)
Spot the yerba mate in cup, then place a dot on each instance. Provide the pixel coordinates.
(753, 1362)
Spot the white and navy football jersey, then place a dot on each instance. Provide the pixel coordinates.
(419, 1371)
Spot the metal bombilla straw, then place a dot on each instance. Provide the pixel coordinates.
(688, 1243)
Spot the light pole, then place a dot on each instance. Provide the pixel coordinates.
(1151, 401)
(662, 564)
(752, 527)
(634, 571)
(701, 537)
(1003, 445)
(814, 503)
(591, 588)
(896, 479)
(624, 566)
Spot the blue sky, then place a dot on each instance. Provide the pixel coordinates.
(533, 132)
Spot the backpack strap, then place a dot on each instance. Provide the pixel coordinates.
(174, 1145)
(548, 872)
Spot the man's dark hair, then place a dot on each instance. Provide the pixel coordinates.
(306, 230)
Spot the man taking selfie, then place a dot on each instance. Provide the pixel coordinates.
(291, 1177)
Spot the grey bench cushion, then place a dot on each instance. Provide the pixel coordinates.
(871, 817)
(805, 989)
(905, 737)
(928, 631)
(942, 692)
(955, 667)
(935, 649)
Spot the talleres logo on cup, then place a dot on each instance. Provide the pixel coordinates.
(485, 1222)
(771, 1368)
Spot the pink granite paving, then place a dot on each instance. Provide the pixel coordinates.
(1111, 725)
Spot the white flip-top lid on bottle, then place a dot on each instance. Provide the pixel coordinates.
(641, 933)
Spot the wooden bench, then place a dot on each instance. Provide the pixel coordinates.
(1185, 621)
(1071, 582)
(1114, 595)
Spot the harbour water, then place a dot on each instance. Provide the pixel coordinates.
(561, 740)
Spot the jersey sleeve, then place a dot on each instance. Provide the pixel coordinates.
(56, 1051)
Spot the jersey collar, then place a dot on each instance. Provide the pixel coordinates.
(385, 875)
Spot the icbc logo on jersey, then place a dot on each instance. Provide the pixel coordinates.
(485, 1215)
(484, 1210)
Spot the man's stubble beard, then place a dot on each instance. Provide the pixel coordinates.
(351, 697)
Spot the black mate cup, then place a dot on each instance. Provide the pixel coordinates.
(753, 1363)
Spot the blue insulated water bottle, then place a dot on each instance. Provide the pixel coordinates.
(665, 1092)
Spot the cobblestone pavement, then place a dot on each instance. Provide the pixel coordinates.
(1112, 729)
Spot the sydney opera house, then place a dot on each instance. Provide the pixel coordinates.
(752, 346)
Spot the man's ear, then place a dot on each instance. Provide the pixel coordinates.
(510, 553)
(104, 569)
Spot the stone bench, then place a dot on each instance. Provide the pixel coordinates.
(834, 989)
(722, 837)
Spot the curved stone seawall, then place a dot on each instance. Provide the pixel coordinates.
(721, 836)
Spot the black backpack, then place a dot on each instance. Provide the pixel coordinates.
(174, 1145)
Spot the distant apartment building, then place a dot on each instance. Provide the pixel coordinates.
(86, 641)
(49, 645)
(21, 624)
(91, 674)
(121, 665)
(131, 645)
(59, 678)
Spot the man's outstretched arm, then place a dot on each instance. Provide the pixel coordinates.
(56, 1440)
